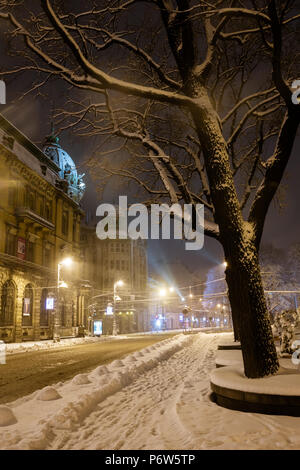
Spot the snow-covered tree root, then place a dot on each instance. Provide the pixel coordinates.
(44, 415)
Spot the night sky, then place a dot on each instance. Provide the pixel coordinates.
(33, 114)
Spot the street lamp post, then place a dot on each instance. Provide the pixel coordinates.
(114, 329)
(57, 320)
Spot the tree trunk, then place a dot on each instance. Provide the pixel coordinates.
(249, 309)
(245, 289)
(235, 319)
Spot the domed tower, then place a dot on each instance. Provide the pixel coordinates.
(68, 172)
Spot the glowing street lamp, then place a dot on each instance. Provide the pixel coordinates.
(66, 262)
(63, 284)
(162, 292)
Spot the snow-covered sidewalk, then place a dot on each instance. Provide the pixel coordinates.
(27, 346)
(157, 398)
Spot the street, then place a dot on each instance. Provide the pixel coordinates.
(26, 372)
(158, 398)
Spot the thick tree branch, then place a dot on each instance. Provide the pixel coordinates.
(275, 169)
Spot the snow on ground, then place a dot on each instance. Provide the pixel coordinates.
(157, 398)
(233, 357)
(13, 348)
(285, 382)
(27, 346)
(230, 357)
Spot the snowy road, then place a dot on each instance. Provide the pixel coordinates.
(165, 405)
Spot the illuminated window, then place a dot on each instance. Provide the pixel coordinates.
(27, 306)
(44, 320)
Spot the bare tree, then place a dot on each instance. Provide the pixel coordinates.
(198, 96)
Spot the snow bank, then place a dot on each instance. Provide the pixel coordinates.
(286, 382)
(13, 348)
(48, 394)
(7, 417)
(62, 407)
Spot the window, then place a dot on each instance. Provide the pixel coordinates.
(11, 244)
(117, 264)
(112, 264)
(27, 306)
(74, 229)
(30, 251)
(11, 196)
(31, 200)
(48, 211)
(41, 206)
(65, 223)
(44, 320)
(123, 265)
(47, 255)
(7, 304)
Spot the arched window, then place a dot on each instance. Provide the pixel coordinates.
(7, 304)
(27, 306)
(44, 315)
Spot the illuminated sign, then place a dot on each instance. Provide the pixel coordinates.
(109, 310)
(26, 307)
(97, 327)
(21, 248)
(49, 303)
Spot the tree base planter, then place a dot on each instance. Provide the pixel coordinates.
(277, 395)
(229, 358)
(229, 346)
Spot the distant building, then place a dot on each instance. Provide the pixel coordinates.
(107, 262)
(40, 220)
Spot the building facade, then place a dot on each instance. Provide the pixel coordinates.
(107, 262)
(40, 220)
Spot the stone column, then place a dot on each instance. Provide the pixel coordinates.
(18, 336)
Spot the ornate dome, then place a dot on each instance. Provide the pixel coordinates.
(68, 171)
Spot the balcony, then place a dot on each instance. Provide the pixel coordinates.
(27, 215)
